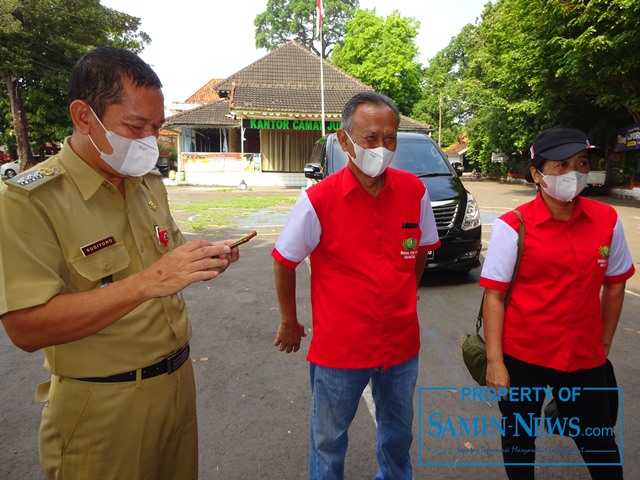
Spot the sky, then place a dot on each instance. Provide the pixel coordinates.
(194, 41)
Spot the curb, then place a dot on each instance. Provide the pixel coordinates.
(633, 193)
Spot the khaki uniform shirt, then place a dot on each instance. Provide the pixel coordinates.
(65, 229)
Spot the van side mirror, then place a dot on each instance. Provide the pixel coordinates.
(313, 171)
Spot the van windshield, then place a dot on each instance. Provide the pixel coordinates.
(415, 155)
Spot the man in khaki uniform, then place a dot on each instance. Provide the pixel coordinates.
(93, 277)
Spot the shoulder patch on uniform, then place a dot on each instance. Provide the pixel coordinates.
(33, 178)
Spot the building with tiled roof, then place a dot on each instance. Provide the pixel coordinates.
(205, 128)
(274, 105)
(213, 114)
(288, 80)
(206, 94)
(456, 152)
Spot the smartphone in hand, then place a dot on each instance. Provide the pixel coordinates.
(244, 239)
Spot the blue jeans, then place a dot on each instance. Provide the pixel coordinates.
(335, 397)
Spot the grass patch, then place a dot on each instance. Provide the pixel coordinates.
(224, 212)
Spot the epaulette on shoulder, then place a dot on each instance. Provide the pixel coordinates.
(34, 178)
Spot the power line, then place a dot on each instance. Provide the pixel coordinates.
(474, 104)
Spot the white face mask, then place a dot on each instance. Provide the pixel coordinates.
(130, 157)
(372, 161)
(564, 187)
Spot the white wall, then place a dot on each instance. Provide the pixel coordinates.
(252, 179)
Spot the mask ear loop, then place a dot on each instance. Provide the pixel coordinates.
(97, 118)
(350, 139)
(538, 185)
(103, 127)
(354, 146)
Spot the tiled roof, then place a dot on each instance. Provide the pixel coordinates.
(206, 94)
(212, 114)
(215, 114)
(305, 100)
(410, 125)
(287, 80)
(460, 147)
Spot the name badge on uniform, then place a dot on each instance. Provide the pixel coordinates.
(97, 246)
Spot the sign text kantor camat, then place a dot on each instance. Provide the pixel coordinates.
(290, 124)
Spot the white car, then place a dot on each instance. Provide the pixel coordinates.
(10, 169)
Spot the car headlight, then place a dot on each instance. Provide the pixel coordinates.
(472, 214)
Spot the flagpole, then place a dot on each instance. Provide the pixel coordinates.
(322, 83)
(320, 13)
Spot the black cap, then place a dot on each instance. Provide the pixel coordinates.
(559, 144)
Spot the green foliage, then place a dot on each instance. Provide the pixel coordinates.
(516, 74)
(173, 153)
(43, 40)
(444, 81)
(9, 24)
(286, 20)
(382, 53)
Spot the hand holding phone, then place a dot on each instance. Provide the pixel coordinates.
(243, 239)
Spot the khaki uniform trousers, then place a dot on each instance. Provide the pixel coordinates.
(138, 430)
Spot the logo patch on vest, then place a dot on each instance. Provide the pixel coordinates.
(409, 251)
(604, 254)
(409, 243)
(97, 246)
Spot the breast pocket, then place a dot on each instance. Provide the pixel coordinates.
(91, 269)
(163, 239)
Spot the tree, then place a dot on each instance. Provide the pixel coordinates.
(38, 50)
(381, 52)
(599, 54)
(576, 68)
(285, 20)
(445, 88)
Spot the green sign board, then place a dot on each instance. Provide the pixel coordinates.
(290, 124)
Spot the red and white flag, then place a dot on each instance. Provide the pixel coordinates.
(319, 14)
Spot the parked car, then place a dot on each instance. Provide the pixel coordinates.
(456, 211)
(597, 176)
(10, 169)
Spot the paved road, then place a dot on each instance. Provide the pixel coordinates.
(493, 197)
(253, 401)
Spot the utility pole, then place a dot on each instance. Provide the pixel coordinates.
(440, 122)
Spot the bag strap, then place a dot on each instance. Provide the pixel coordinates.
(515, 270)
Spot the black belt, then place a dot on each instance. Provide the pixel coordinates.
(168, 365)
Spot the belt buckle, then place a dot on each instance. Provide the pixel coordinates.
(176, 360)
